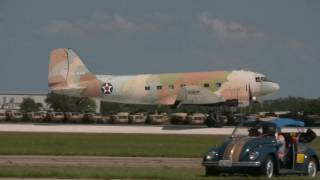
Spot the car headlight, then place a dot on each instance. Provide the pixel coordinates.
(211, 155)
(254, 155)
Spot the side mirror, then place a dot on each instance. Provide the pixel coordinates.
(307, 137)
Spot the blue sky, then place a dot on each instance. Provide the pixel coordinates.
(277, 38)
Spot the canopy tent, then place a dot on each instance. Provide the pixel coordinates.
(285, 122)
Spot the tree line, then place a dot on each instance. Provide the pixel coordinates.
(65, 103)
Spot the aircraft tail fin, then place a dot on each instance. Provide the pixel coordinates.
(66, 69)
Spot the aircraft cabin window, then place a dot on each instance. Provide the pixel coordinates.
(218, 84)
(206, 85)
(171, 86)
(159, 87)
(147, 88)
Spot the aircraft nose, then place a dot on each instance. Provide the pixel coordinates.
(269, 88)
(275, 87)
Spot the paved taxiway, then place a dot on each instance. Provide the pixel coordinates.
(135, 129)
(99, 161)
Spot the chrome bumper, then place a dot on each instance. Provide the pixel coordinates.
(234, 164)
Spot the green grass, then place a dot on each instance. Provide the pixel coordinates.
(106, 144)
(110, 144)
(117, 173)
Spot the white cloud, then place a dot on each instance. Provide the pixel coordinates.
(97, 23)
(230, 30)
(60, 26)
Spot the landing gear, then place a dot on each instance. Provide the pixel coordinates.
(214, 119)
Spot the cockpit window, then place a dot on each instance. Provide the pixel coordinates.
(262, 79)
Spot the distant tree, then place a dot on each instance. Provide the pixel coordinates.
(65, 103)
(294, 104)
(29, 105)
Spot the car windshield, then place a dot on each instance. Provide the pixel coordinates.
(254, 130)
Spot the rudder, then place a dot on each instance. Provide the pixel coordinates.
(65, 68)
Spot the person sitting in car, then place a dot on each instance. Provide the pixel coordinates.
(254, 132)
(281, 141)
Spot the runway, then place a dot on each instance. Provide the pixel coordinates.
(134, 129)
(99, 161)
(130, 129)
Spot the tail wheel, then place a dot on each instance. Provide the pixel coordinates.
(312, 168)
(267, 169)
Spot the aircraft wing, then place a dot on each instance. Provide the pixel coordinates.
(198, 95)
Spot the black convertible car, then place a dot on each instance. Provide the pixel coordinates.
(254, 148)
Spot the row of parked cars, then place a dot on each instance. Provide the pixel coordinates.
(118, 118)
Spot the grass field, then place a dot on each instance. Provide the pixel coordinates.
(111, 145)
(119, 173)
(106, 144)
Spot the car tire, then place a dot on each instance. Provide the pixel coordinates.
(211, 171)
(312, 168)
(268, 167)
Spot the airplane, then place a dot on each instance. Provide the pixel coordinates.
(69, 76)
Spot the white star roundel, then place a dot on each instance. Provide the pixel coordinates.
(106, 88)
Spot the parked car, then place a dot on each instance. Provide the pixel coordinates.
(312, 120)
(137, 118)
(120, 118)
(13, 115)
(254, 148)
(157, 118)
(197, 118)
(35, 116)
(74, 117)
(2, 116)
(179, 118)
(106, 119)
(91, 117)
(55, 116)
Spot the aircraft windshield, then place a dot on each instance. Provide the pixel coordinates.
(262, 79)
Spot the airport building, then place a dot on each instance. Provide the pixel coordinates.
(13, 100)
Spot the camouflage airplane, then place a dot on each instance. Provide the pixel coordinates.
(68, 75)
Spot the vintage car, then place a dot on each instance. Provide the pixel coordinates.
(157, 118)
(55, 116)
(254, 147)
(91, 117)
(74, 117)
(120, 118)
(137, 118)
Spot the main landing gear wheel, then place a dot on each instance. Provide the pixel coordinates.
(213, 121)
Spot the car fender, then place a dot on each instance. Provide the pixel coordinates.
(311, 153)
(216, 149)
(268, 151)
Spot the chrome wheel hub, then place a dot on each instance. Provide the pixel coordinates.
(312, 169)
(269, 169)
